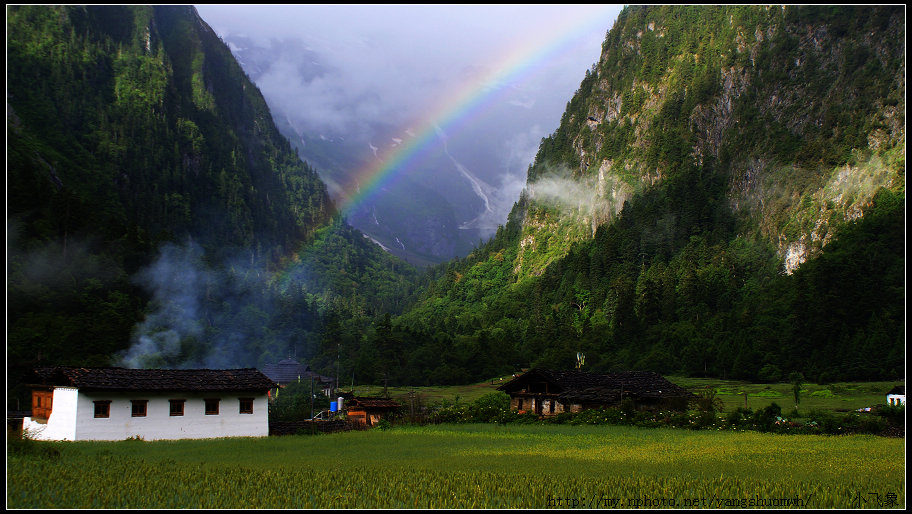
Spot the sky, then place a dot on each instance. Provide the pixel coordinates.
(389, 62)
(340, 70)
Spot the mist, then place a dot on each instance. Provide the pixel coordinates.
(599, 197)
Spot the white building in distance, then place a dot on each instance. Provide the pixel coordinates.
(897, 396)
(110, 404)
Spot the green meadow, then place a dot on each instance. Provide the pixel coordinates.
(467, 466)
(835, 397)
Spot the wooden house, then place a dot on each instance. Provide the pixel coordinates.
(897, 396)
(109, 404)
(368, 410)
(547, 392)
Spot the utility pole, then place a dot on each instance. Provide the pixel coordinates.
(311, 398)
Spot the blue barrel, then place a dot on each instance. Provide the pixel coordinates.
(333, 407)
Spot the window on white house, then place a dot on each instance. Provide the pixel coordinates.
(138, 409)
(212, 406)
(102, 408)
(246, 405)
(176, 407)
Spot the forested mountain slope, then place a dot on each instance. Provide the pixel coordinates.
(724, 196)
(145, 176)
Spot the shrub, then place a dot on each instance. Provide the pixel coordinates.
(764, 418)
(490, 407)
(738, 417)
(894, 414)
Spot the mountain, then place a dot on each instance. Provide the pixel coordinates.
(409, 217)
(143, 119)
(153, 206)
(724, 196)
(439, 206)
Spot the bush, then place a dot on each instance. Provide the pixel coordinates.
(894, 414)
(738, 417)
(490, 407)
(764, 418)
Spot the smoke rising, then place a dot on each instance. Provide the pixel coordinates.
(205, 315)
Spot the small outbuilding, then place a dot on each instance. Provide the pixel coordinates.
(547, 392)
(110, 404)
(369, 410)
(897, 396)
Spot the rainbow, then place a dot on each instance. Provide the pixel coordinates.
(470, 99)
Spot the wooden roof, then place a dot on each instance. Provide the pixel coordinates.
(898, 390)
(123, 379)
(575, 385)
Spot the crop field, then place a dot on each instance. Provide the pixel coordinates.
(467, 466)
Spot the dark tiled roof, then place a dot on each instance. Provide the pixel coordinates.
(290, 370)
(123, 379)
(898, 390)
(575, 385)
(366, 402)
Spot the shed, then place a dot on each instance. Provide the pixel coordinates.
(369, 410)
(75, 404)
(547, 392)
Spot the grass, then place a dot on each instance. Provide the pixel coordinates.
(431, 394)
(465, 466)
(836, 397)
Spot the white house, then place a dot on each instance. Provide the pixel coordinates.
(897, 396)
(109, 404)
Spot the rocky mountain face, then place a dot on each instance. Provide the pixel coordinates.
(726, 182)
(801, 111)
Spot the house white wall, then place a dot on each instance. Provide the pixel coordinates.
(61, 424)
(896, 399)
(77, 421)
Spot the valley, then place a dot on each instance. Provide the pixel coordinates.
(723, 198)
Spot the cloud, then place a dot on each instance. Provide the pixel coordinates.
(387, 68)
(391, 63)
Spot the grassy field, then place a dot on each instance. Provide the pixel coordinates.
(836, 397)
(467, 466)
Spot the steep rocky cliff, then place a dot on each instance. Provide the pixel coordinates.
(800, 108)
